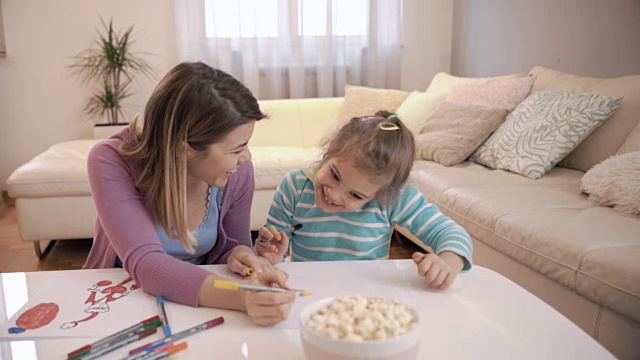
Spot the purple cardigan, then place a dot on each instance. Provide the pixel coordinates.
(125, 229)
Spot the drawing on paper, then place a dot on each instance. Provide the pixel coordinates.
(36, 317)
(100, 295)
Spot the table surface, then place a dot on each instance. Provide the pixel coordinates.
(483, 315)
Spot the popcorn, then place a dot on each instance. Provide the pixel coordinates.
(356, 318)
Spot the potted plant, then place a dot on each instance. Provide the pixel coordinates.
(110, 66)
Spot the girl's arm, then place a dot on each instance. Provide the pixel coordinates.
(279, 218)
(425, 221)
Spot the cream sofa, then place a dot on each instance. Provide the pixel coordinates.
(579, 257)
(53, 198)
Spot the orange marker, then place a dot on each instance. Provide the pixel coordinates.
(167, 352)
(249, 272)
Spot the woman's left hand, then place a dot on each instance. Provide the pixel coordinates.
(439, 271)
(243, 258)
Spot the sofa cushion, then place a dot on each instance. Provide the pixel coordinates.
(455, 130)
(272, 163)
(544, 129)
(546, 224)
(59, 171)
(610, 137)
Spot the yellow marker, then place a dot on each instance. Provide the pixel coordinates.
(234, 285)
(249, 272)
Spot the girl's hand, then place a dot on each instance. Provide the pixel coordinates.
(439, 271)
(277, 245)
(268, 308)
(243, 258)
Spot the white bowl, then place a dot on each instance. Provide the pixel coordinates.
(320, 347)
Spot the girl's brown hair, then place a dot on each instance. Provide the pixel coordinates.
(380, 145)
(193, 104)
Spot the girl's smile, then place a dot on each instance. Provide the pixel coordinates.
(341, 187)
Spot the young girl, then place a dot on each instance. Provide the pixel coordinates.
(349, 203)
(177, 193)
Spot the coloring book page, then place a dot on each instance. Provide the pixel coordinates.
(81, 304)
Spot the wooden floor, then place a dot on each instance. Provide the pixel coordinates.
(17, 255)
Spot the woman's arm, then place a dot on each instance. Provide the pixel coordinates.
(131, 231)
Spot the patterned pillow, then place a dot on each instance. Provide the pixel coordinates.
(544, 129)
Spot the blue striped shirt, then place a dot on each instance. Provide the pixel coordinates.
(363, 234)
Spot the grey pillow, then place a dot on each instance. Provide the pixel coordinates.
(544, 129)
(455, 131)
(615, 182)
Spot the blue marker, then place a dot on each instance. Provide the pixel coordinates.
(163, 315)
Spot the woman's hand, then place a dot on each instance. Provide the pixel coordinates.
(277, 245)
(439, 271)
(242, 259)
(268, 308)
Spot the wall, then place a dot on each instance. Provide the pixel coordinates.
(40, 103)
(426, 41)
(597, 38)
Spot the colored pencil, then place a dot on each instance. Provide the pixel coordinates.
(163, 314)
(286, 231)
(124, 342)
(234, 285)
(122, 333)
(141, 351)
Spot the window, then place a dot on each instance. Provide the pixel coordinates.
(260, 18)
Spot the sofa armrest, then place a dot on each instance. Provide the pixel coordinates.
(296, 122)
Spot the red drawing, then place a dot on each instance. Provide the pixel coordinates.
(36, 317)
(101, 294)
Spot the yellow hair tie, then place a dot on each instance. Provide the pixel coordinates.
(387, 126)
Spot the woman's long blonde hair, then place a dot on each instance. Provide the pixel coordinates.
(193, 104)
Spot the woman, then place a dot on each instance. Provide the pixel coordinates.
(178, 194)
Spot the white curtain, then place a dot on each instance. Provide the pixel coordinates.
(294, 48)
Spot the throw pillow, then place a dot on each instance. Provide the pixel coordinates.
(615, 182)
(443, 82)
(543, 129)
(362, 101)
(454, 131)
(499, 92)
(418, 107)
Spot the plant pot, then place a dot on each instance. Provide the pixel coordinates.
(104, 131)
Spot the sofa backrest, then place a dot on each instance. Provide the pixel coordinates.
(611, 137)
(296, 122)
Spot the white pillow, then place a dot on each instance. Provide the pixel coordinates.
(418, 107)
(615, 182)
